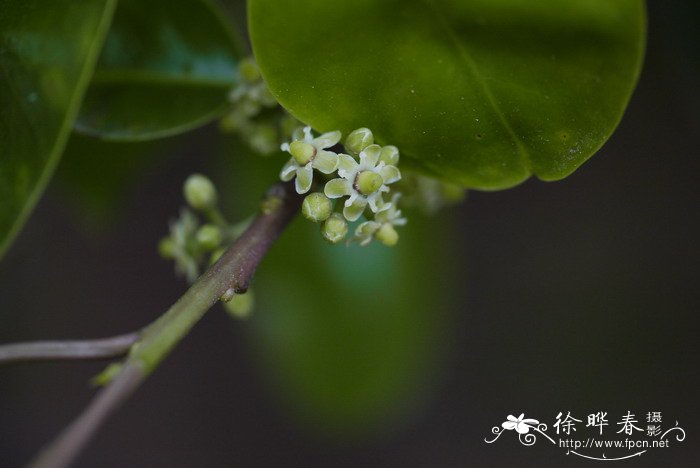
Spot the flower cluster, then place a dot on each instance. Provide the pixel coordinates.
(255, 114)
(363, 180)
(199, 237)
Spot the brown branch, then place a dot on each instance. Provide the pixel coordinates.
(72, 440)
(233, 271)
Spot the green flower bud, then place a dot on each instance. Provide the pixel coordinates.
(317, 207)
(263, 139)
(229, 123)
(335, 228)
(390, 155)
(368, 182)
(303, 152)
(166, 248)
(387, 235)
(270, 204)
(249, 70)
(200, 192)
(452, 193)
(359, 140)
(241, 305)
(208, 237)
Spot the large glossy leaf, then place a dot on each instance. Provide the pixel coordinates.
(481, 92)
(166, 68)
(48, 52)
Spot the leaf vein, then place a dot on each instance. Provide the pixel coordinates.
(479, 78)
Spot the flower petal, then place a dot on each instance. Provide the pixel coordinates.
(512, 418)
(347, 166)
(352, 198)
(325, 161)
(365, 231)
(355, 210)
(298, 134)
(389, 155)
(327, 140)
(508, 425)
(390, 174)
(531, 421)
(305, 175)
(308, 136)
(370, 156)
(368, 228)
(377, 203)
(289, 170)
(337, 188)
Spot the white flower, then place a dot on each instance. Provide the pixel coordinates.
(309, 153)
(382, 227)
(392, 215)
(363, 182)
(522, 426)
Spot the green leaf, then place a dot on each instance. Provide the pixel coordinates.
(166, 67)
(48, 52)
(480, 92)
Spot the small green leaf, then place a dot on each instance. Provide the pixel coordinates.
(48, 52)
(480, 92)
(166, 68)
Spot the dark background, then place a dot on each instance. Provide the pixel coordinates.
(573, 296)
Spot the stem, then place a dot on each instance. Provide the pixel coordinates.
(71, 441)
(67, 350)
(233, 271)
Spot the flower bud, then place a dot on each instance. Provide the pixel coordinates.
(390, 155)
(263, 139)
(317, 207)
(249, 70)
(208, 237)
(452, 193)
(166, 248)
(368, 182)
(387, 235)
(358, 140)
(335, 228)
(200, 192)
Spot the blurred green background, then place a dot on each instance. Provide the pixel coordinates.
(573, 296)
